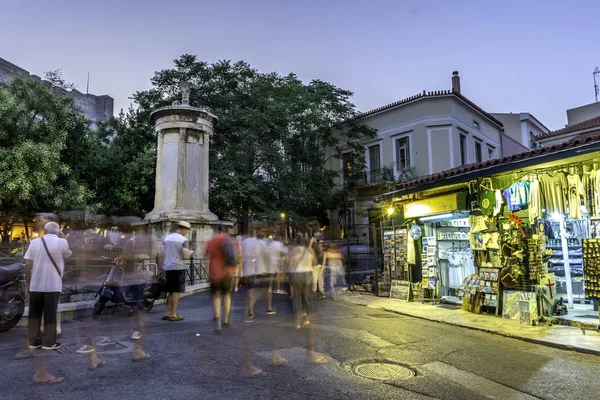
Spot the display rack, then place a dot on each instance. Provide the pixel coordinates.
(395, 252)
(430, 283)
(489, 287)
(591, 268)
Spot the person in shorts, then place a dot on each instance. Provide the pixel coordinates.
(220, 275)
(255, 273)
(176, 251)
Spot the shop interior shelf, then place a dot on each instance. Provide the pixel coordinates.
(560, 248)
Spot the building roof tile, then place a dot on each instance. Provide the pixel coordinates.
(434, 94)
(590, 123)
(428, 179)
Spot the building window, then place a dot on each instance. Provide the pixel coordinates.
(463, 149)
(476, 125)
(478, 152)
(374, 163)
(491, 152)
(402, 153)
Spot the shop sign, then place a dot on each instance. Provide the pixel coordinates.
(432, 206)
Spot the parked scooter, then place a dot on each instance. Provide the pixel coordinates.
(12, 295)
(119, 293)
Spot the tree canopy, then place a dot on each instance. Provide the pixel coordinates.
(36, 123)
(273, 137)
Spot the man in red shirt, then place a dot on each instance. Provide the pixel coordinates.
(220, 275)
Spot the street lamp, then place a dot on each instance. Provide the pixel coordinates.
(282, 215)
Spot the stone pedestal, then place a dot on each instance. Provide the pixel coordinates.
(182, 164)
(182, 181)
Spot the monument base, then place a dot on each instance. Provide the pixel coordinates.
(157, 226)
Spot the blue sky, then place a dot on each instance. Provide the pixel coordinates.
(533, 56)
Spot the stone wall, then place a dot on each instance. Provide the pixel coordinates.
(95, 108)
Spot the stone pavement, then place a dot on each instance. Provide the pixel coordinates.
(559, 336)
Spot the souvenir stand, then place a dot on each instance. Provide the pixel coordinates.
(395, 263)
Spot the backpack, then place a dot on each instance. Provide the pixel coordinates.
(230, 256)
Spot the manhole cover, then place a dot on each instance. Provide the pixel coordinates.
(382, 371)
(113, 348)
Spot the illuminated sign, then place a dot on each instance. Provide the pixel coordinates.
(432, 206)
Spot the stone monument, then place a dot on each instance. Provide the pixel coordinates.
(182, 167)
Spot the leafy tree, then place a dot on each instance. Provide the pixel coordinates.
(36, 122)
(273, 137)
(122, 168)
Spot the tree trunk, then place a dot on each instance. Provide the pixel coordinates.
(26, 226)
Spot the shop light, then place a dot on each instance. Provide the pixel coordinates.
(439, 216)
(390, 210)
(556, 217)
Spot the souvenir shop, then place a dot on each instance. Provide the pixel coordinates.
(522, 243)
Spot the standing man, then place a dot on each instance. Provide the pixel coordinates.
(44, 267)
(222, 251)
(176, 250)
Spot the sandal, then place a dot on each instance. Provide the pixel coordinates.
(165, 317)
(101, 363)
(257, 372)
(145, 356)
(51, 380)
(279, 362)
(176, 318)
(318, 360)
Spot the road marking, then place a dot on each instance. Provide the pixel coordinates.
(486, 388)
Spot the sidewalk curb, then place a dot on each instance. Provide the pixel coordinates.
(474, 328)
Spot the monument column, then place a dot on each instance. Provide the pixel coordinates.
(182, 171)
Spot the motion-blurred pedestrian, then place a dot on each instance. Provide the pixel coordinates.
(176, 250)
(222, 253)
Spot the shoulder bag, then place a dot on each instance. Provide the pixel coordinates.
(51, 259)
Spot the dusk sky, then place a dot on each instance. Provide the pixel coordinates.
(533, 56)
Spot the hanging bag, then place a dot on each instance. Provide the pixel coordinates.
(51, 259)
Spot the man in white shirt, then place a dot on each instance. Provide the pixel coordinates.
(44, 268)
(43, 272)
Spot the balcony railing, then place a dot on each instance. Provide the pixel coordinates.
(370, 177)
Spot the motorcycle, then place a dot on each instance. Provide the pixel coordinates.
(129, 295)
(12, 295)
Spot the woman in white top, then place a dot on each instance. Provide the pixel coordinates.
(299, 264)
(333, 263)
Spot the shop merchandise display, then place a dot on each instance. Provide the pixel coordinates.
(591, 268)
(395, 252)
(538, 268)
(489, 286)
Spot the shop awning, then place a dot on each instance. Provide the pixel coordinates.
(579, 149)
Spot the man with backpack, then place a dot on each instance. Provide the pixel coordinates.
(221, 251)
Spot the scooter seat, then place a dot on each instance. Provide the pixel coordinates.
(9, 272)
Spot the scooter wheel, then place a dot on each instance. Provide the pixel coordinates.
(99, 307)
(11, 312)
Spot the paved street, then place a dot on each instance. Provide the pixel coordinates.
(450, 362)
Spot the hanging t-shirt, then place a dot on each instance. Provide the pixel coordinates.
(521, 193)
(575, 191)
(589, 188)
(517, 196)
(554, 191)
(499, 202)
(510, 199)
(535, 200)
